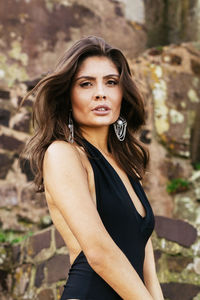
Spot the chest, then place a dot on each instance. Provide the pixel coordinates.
(115, 181)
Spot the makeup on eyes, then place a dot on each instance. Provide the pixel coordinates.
(111, 80)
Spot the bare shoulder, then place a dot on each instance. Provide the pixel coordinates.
(60, 147)
(63, 164)
(62, 153)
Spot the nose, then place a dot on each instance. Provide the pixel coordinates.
(99, 92)
(99, 97)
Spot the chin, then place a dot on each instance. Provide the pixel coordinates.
(97, 121)
(102, 123)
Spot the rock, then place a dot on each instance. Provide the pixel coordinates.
(26, 169)
(59, 290)
(171, 22)
(166, 246)
(5, 164)
(197, 265)
(3, 280)
(4, 94)
(25, 217)
(39, 277)
(9, 220)
(10, 143)
(186, 207)
(22, 278)
(195, 135)
(38, 242)
(134, 11)
(45, 221)
(179, 291)
(171, 92)
(8, 195)
(26, 57)
(177, 231)
(195, 65)
(57, 268)
(156, 179)
(29, 216)
(178, 263)
(16, 254)
(5, 256)
(4, 117)
(21, 122)
(157, 256)
(59, 240)
(5, 296)
(172, 169)
(46, 294)
(29, 195)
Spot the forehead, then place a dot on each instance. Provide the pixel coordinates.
(97, 65)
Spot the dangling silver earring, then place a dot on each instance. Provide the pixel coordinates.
(120, 128)
(71, 128)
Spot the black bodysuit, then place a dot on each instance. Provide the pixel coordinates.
(128, 229)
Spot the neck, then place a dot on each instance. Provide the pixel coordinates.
(97, 137)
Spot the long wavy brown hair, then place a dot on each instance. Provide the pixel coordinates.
(52, 106)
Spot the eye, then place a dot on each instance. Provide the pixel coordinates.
(112, 82)
(86, 84)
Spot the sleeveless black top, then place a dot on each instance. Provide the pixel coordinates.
(128, 229)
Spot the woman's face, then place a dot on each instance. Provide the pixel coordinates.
(96, 93)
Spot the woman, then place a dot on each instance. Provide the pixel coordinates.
(89, 164)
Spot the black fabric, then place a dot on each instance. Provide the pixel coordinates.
(129, 230)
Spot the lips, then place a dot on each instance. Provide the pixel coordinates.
(102, 107)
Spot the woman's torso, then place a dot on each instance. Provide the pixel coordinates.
(58, 220)
(127, 216)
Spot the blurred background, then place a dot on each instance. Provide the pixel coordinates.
(161, 39)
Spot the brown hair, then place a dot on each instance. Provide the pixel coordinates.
(52, 105)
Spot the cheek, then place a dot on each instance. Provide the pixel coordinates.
(79, 106)
(76, 101)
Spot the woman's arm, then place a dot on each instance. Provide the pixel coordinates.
(150, 276)
(66, 181)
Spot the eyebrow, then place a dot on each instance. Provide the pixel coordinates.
(91, 77)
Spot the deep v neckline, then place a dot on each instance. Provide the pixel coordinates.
(131, 180)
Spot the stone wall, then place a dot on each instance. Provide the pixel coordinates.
(169, 80)
(38, 268)
(34, 34)
(177, 252)
(172, 21)
(35, 269)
